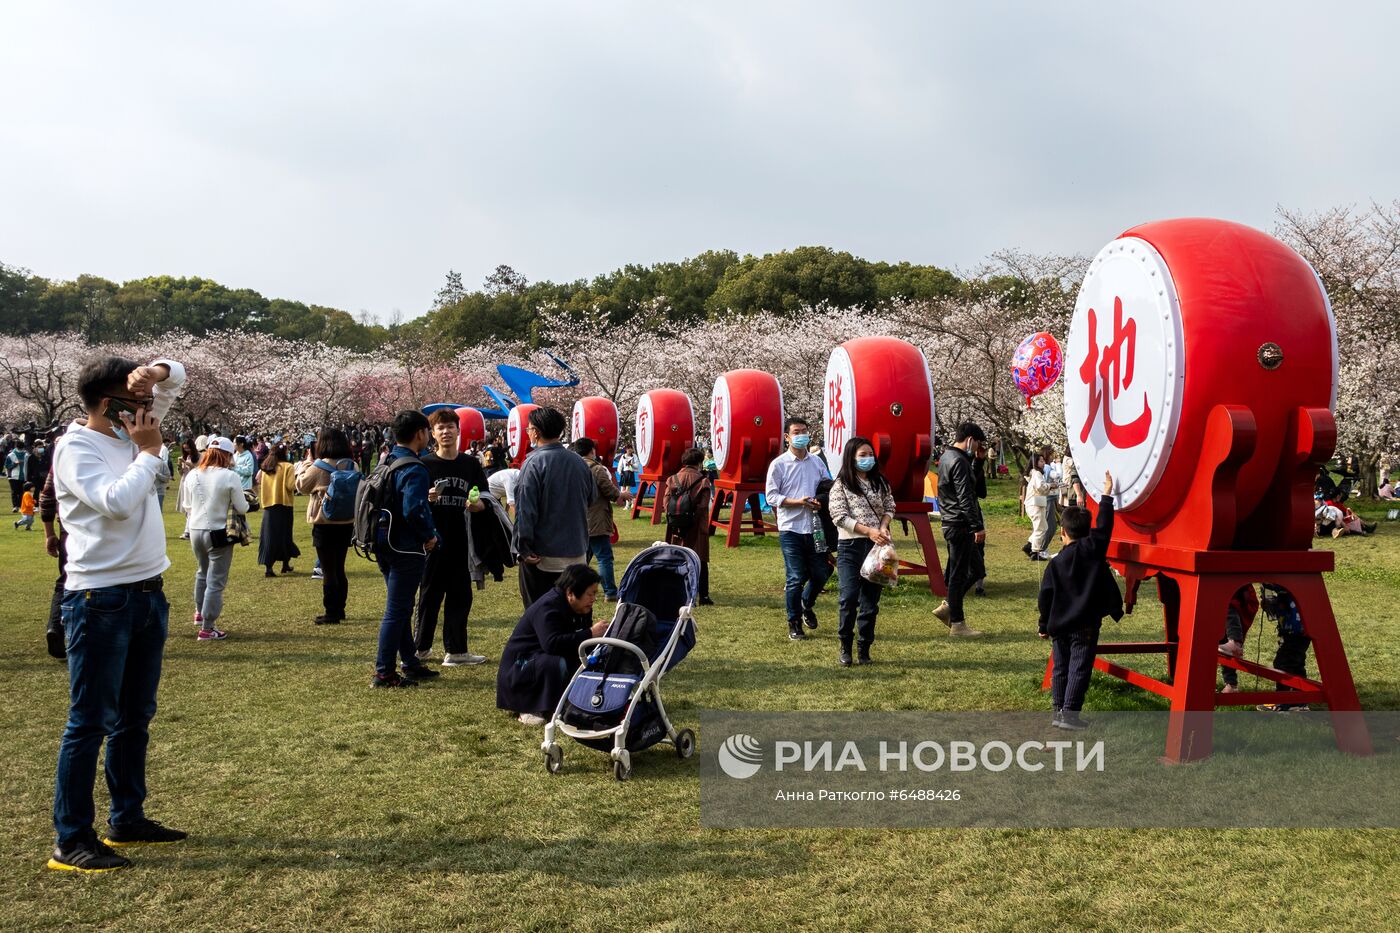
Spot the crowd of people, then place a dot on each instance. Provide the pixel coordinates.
(439, 520)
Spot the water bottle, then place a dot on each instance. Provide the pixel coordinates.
(818, 533)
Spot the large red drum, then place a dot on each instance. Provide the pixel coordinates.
(517, 438)
(746, 424)
(665, 427)
(595, 418)
(472, 425)
(878, 387)
(1174, 318)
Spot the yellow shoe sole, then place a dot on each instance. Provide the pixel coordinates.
(56, 865)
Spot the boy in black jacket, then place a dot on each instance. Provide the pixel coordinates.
(1076, 592)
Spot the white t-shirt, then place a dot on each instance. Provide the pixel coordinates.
(210, 494)
(106, 492)
(502, 484)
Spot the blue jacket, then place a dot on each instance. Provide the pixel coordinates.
(412, 523)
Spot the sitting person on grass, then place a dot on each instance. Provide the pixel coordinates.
(1076, 591)
(542, 652)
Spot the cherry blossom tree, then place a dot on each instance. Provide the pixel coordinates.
(39, 376)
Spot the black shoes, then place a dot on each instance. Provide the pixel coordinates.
(706, 601)
(269, 573)
(796, 634)
(845, 658)
(326, 620)
(1071, 721)
(143, 832)
(421, 672)
(86, 855)
(393, 680)
(1026, 549)
(809, 618)
(863, 654)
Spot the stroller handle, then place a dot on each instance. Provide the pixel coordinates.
(583, 649)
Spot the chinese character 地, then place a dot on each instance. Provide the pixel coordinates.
(1118, 359)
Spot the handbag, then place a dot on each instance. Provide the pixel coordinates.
(614, 535)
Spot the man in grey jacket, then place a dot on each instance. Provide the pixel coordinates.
(552, 497)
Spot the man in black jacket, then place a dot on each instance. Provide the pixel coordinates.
(1076, 592)
(963, 529)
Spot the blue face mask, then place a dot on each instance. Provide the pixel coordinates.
(801, 441)
(865, 464)
(121, 433)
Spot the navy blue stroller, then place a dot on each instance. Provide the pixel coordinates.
(613, 701)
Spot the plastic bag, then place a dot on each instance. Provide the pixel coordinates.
(881, 566)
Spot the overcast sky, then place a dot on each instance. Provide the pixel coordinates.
(349, 154)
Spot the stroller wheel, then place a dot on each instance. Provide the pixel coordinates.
(621, 771)
(685, 743)
(554, 759)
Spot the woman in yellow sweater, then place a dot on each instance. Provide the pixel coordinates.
(277, 491)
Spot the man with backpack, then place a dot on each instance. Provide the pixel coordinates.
(332, 481)
(394, 524)
(458, 484)
(685, 500)
(552, 497)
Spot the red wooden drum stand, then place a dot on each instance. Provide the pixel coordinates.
(916, 514)
(1209, 576)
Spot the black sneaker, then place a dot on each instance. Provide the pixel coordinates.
(809, 618)
(326, 620)
(1026, 549)
(1072, 721)
(87, 855)
(795, 633)
(421, 672)
(143, 832)
(393, 680)
(1055, 720)
(706, 601)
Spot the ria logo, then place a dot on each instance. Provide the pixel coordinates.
(740, 756)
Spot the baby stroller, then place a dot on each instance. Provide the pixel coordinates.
(613, 702)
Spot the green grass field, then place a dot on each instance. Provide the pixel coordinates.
(316, 803)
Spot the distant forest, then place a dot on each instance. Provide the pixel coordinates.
(506, 306)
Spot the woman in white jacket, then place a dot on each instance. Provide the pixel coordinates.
(212, 490)
(1038, 492)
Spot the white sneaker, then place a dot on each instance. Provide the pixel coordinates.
(462, 658)
(530, 719)
(424, 655)
(1232, 649)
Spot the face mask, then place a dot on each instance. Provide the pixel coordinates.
(120, 433)
(800, 441)
(865, 464)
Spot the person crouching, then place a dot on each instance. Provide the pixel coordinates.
(1076, 592)
(543, 650)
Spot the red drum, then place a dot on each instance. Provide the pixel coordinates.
(517, 438)
(472, 424)
(878, 387)
(1174, 318)
(595, 418)
(746, 424)
(665, 427)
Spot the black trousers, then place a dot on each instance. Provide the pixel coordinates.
(447, 586)
(1074, 661)
(860, 599)
(535, 582)
(965, 567)
(704, 580)
(53, 632)
(16, 492)
(332, 542)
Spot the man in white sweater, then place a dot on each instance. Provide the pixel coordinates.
(114, 611)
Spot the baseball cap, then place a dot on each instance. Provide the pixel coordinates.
(221, 443)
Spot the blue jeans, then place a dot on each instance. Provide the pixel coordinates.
(116, 640)
(402, 575)
(807, 572)
(860, 599)
(600, 546)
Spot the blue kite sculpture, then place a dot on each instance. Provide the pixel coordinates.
(520, 381)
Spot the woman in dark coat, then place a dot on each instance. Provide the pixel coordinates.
(696, 535)
(542, 652)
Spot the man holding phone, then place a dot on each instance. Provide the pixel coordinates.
(115, 614)
(791, 490)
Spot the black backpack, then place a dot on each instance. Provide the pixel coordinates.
(681, 513)
(374, 504)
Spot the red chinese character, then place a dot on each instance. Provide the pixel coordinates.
(717, 421)
(1094, 373)
(835, 412)
(642, 417)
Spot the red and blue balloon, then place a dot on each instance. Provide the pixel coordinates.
(1036, 365)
